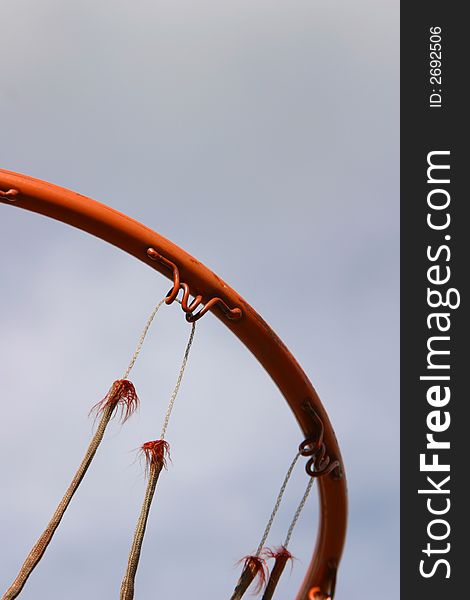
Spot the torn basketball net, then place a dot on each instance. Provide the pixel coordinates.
(261, 571)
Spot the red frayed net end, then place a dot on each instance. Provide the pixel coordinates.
(121, 394)
(259, 570)
(282, 553)
(156, 453)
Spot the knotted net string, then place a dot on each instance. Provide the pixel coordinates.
(128, 582)
(154, 470)
(108, 410)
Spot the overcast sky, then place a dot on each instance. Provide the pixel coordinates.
(262, 137)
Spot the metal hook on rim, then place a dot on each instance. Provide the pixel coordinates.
(154, 255)
(320, 463)
(10, 194)
(234, 314)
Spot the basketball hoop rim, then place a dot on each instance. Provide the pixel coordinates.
(136, 239)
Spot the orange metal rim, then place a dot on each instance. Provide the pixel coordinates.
(138, 240)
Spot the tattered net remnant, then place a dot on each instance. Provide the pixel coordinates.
(123, 395)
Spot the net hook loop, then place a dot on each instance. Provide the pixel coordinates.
(320, 463)
(10, 194)
(234, 314)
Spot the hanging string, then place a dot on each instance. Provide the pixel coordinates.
(254, 566)
(298, 511)
(122, 395)
(156, 461)
(282, 555)
(178, 382)
(277, 504)
(156, 453)
(143, 335)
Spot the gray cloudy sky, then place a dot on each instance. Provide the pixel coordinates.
(261, 136)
